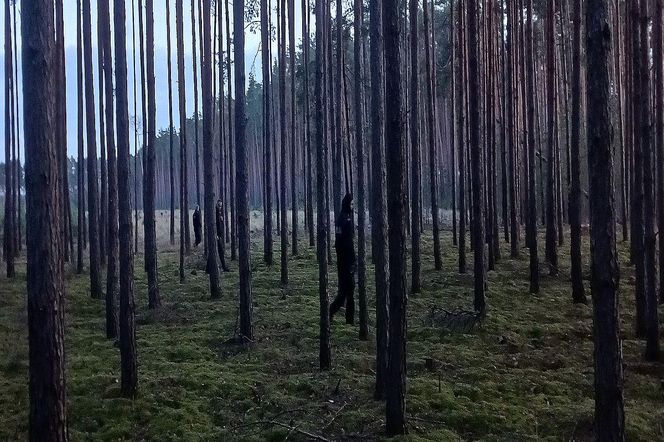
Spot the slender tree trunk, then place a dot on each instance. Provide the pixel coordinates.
(291, 47)
(281, 11)
(45, 265)
(578, 293)
(461, 135)
(324, 356)
(9, 177)
(194, 49)
(231, 150)
(511, 137)
(242, 194)
(171, 129)
(650, 256)
(638, 232)
(103, 178)
(128, 364)
(479, 268)
(416, 179)
(659, 136)
(379, 222)
(431, 112)
(395, 422)
(307, 116)
(184, 195)
(149, 221)
(208, 154)
(267, 132)
(551, 209)
(532, 191)
(79, 165)
(358, 19)
(93, 216)
(609, 402)
(112, 237)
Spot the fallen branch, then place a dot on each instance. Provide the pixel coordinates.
(293, 429)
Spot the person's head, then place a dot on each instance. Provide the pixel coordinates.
(197, 208)
(219, 203)
(347, 203)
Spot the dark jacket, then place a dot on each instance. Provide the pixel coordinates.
(344, 233)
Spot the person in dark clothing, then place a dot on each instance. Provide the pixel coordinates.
(219, 221)
(344, 232)
(198, 226)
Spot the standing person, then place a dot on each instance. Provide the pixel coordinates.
(345, 260)
(198, 226)
(219, 221)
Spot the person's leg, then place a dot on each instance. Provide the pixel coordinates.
(222, 257)
(350, 298)
(340, 299)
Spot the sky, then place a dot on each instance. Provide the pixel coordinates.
(252, 63)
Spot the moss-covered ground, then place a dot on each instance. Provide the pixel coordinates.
(525, 374)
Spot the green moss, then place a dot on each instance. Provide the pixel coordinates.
(525, 374)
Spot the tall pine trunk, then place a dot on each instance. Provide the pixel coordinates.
(416, 179)
(605, 274)
(128, 363)
(358, 18)
(379, 222)
(184, 195)
(9, 177)
(93, 214)
(532, 191)
(324, 356)
(208, 155)
(578, 292)
(242, 191)
(267, 133)
(395, 154)
(112, 234)
(149, 171)
(171, 129)
(431, 120)
(479, 267)
(45, 265)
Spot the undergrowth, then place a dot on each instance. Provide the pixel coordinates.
(524, 374)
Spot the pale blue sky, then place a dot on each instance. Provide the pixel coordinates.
(252, 61)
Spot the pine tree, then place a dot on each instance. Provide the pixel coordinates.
(395, 422)
(242, 194)
(605, 274)
(45, 264)
(93, 214)
(149, 221)
(128, 364)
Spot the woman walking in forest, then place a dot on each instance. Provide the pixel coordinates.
(345, 260)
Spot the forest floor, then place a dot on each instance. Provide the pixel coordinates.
(524, 374)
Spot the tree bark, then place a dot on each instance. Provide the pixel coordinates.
(605, 274)
(416, 179)
(93, 215)
(532, 191)
(578, 292)
(45, 265)
(395, 422)
(324, 356)
(358, 19)
(128, 364)
(379, 222)
(479, 267)
(242, 195)
(112, 236)
(149, 221)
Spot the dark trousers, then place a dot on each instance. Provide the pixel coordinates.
(222, 257)
(345, 294)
